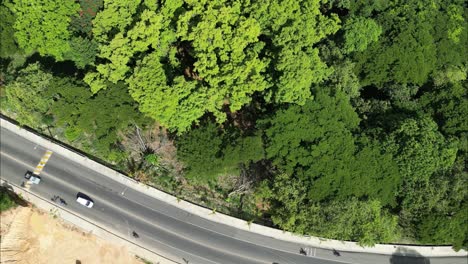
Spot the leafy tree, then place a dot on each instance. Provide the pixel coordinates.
(243, 151)
(365, 8)
(69, 96)
(82, 23)
(427, 37)
(174, 106)
(315, 144)
(408, 45)
(147, 32)
(82, 51)
(226, 46)
(291, 28)
(359, 32)
(447, 221)
(446, 230)
(115, 17)
(83, 48)
(42, 25)
(75, 109)
(451, 74)
(303, 127)
(216, 48)
(105, 124)
(206, 157)
(344, 79)
(200, 150)
(451, 35)
(449, 107)
(26, 95)
(8, 47)
(420, 150)
(373, 174)
(362, 221)
(121, 47)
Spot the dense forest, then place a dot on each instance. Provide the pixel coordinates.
(343, 119)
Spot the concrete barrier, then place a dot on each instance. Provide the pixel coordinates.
(426, 251)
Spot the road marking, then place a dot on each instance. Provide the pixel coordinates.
(42, 162)
(27, 185)
(123, 192)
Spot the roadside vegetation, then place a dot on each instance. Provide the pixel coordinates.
(6, 202)
(339, 119)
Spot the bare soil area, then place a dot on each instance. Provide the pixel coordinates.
(32, 236)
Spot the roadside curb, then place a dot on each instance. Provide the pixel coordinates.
(426, 251)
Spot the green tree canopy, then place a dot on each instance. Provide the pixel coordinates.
(42, 25)
(446, 230)
(221, 50)
(420, 150)
(351, 219)
(447, 222)
(225, 44)
(115, 17)
(359, 32)
(315, 144)
(208, 152)
(407, 53)
(448, 105)
(174, 103)
(418, 40)
(26, 95)
(98, 116)
(304, 141)
(200, 150)
(8, 47)
(291, 29)
(82, 51)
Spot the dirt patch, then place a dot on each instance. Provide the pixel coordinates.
(31, 236)
(6, 218)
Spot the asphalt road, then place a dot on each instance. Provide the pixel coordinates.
(165, 229)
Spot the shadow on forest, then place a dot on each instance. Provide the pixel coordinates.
(408, 256)
(58, 68)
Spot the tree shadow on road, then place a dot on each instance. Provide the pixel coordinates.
(408, 256)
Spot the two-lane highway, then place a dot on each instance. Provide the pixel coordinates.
(162, 228)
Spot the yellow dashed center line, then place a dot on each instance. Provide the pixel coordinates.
(43, 162)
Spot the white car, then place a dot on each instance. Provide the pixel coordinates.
(32, 178)
(84, 200)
